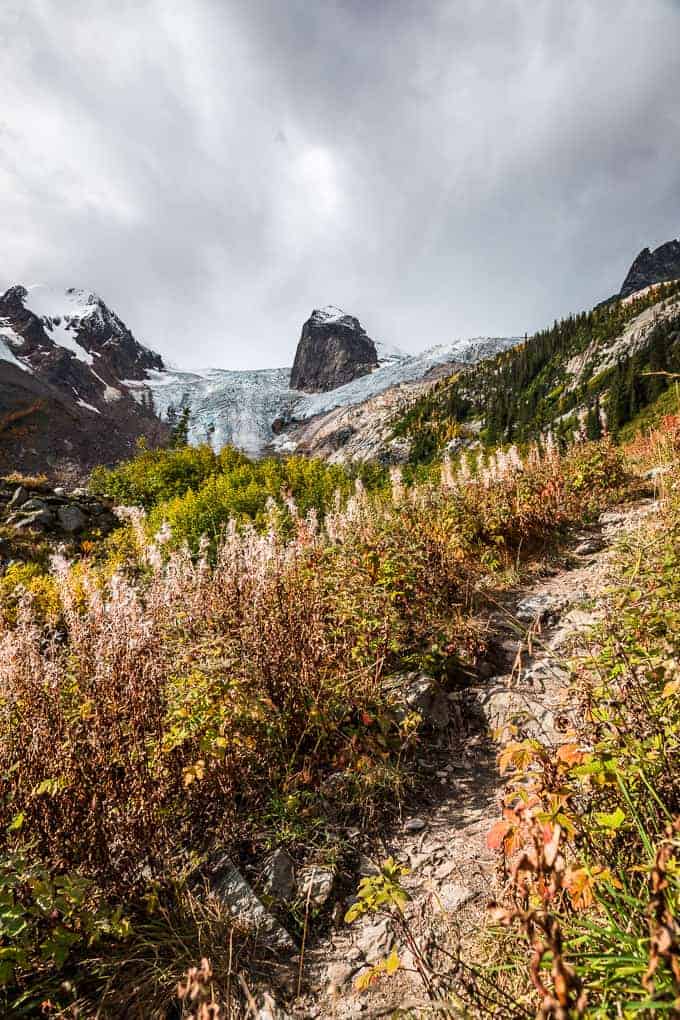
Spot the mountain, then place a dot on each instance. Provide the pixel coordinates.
(258, 411)
(333, 350)
(65, 358)
(602, 367)
(651, 267)
(76, 386)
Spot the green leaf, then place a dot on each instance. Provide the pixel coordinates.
(612, 821)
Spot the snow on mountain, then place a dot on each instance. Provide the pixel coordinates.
(400, 369)
(240, 407)
(62, 313)
(9, 339)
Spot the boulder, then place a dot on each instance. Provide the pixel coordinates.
(71, 518)
(589, 546)
(227, 882)
(279, 876)
(375, 940)
(414, 825)
(418, 692)
(316, 882)
(541, 608)
(21, 494)
(37, 519)
(33, 504)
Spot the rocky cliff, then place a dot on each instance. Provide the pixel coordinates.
(333, 350)
(650, 267)
(65, 359)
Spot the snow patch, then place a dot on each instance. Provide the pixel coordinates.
(8, 339)
(89, 407)
(62, 313)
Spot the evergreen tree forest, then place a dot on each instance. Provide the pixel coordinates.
(561, 379)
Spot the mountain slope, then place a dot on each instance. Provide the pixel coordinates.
(651, 267)
(603, 365)
(64, 359)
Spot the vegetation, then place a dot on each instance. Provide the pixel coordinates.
(196, 491)
(224, 674)
(520, 394)
(172, 705)
(591, 830)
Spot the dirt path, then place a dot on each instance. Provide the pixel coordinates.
(452, 872)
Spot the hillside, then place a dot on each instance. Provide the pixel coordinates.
(598, 367)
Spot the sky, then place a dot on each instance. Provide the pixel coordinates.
(216, 169)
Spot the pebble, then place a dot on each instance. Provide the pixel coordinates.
(414, 825)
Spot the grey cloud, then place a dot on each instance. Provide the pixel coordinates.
(216, 168)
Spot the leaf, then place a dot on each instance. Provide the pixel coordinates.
(570, 754)
(497, 833)
(17, 822)
(671, 688)
(392, 963)
(612, 821)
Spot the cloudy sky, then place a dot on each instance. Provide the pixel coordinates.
(440, 168)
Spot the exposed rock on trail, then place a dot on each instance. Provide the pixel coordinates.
(453, 874)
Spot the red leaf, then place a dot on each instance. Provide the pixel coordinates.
(497, 833)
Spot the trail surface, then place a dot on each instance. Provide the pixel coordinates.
(453, 874)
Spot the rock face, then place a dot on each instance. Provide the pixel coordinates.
(652, 267)
(333, 350)
(65, 361)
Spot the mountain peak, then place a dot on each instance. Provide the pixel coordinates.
(651, 267)
(334, 349)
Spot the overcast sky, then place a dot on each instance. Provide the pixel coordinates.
(217, 168)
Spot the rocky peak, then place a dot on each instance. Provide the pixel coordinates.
(652, 267)
(334, 349)
(65, 359)
(64, 326)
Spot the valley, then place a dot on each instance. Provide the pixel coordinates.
(350, 700)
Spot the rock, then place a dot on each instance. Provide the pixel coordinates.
(657, 472)
(544, 608)
(333, 350)
(453, 895)
(71, 519)
(422, 694)
(279, 876)
(338, 974)
(611, 517)
(414, 825)
(523, 709)
(367, 867)
(270, 1011)
(59, 491)
(230, 886)
(31, 505)
(375, 940)
(652, 267)
(19, 497)
(38, 519)
(589, 546)
(316, 882)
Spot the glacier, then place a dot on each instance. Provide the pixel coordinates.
(239, 408)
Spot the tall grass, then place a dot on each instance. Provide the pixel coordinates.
(176, 702)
